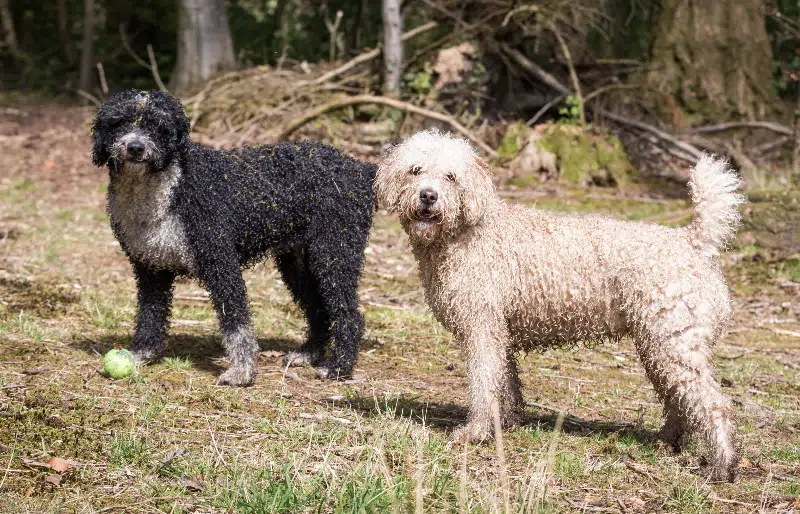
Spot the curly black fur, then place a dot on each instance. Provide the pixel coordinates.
(180, 208)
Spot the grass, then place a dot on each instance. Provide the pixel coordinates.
(171, 440)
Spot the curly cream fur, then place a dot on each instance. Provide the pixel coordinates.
(505, 278)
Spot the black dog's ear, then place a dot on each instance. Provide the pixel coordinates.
(100, 153)
(184, 128)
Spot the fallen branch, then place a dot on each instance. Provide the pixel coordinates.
(686, 147)
(88, 96)
(396, 104)
(535, 70)
(768, 125)
(154, 69)
(769, 146)
(367, 56)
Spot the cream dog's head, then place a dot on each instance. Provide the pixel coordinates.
(437, 183)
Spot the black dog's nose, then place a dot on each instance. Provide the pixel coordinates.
(428, 196)
(135, 149)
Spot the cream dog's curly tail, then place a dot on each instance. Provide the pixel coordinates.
(713, 185)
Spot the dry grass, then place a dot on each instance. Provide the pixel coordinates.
(170, 440)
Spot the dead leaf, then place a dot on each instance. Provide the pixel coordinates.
(34, 371)
(745, 463)
(59, 464)
(55, 421)
(53, 479)
(34, 463)
(193, 484)
(271, 354)
(591, 499)
(175, 453)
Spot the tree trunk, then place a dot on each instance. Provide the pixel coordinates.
(392, 46)
(205, 46)
(713, 57)
(63, 29)
(87, 51)
(9, 32)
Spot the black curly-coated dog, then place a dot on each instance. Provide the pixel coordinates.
(180, 208)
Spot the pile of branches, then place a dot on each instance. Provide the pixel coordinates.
(263, 104)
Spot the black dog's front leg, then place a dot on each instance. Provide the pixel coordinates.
(154, 299)
(220, 272)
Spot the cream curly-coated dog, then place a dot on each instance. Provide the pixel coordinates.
(505, 278)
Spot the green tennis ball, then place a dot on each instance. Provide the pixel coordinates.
(119, 364)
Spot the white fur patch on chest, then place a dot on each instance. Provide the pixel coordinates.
(140, 207)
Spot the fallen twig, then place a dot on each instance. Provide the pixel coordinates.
(535, 70)
(397, 104)
(641, 470)
(686, 147)
(154, 69)
(88, 96)
(768, 125)
(769, 146)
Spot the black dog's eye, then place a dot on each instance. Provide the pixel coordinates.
(414, 170)
(451, 177)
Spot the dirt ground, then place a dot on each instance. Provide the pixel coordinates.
(170, 440)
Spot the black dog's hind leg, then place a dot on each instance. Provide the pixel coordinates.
(219, 270)
(337, 274)
(304, 289)
(152, 318)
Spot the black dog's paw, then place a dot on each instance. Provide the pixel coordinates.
(329, 371)
(236, 376)
(145, 355)
(292, 359)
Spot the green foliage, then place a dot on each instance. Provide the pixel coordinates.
(53, 55)
(785, 59)
(420, 82)
(570, 114)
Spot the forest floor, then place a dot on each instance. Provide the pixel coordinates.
(170, 440)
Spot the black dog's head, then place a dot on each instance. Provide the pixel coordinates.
(139, 131)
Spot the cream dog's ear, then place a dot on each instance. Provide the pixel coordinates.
(476, 190)
(389, 181)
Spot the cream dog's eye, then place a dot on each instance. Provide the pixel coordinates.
(451, 177)
(414, 170)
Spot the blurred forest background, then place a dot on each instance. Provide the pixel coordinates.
(668, 78)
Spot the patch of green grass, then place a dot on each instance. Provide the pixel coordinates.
(792, 488)
(152, 407)
(786, 454)
(269, 492)
(65, 215)
(625, 208)
(177, 364)
(25, 325)
(688, 499)
(105, 314)
(569, 465)
(129, 450)
(23, 185)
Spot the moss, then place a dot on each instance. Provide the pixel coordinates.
(587, 156)
(770, 221)
(510, 144)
